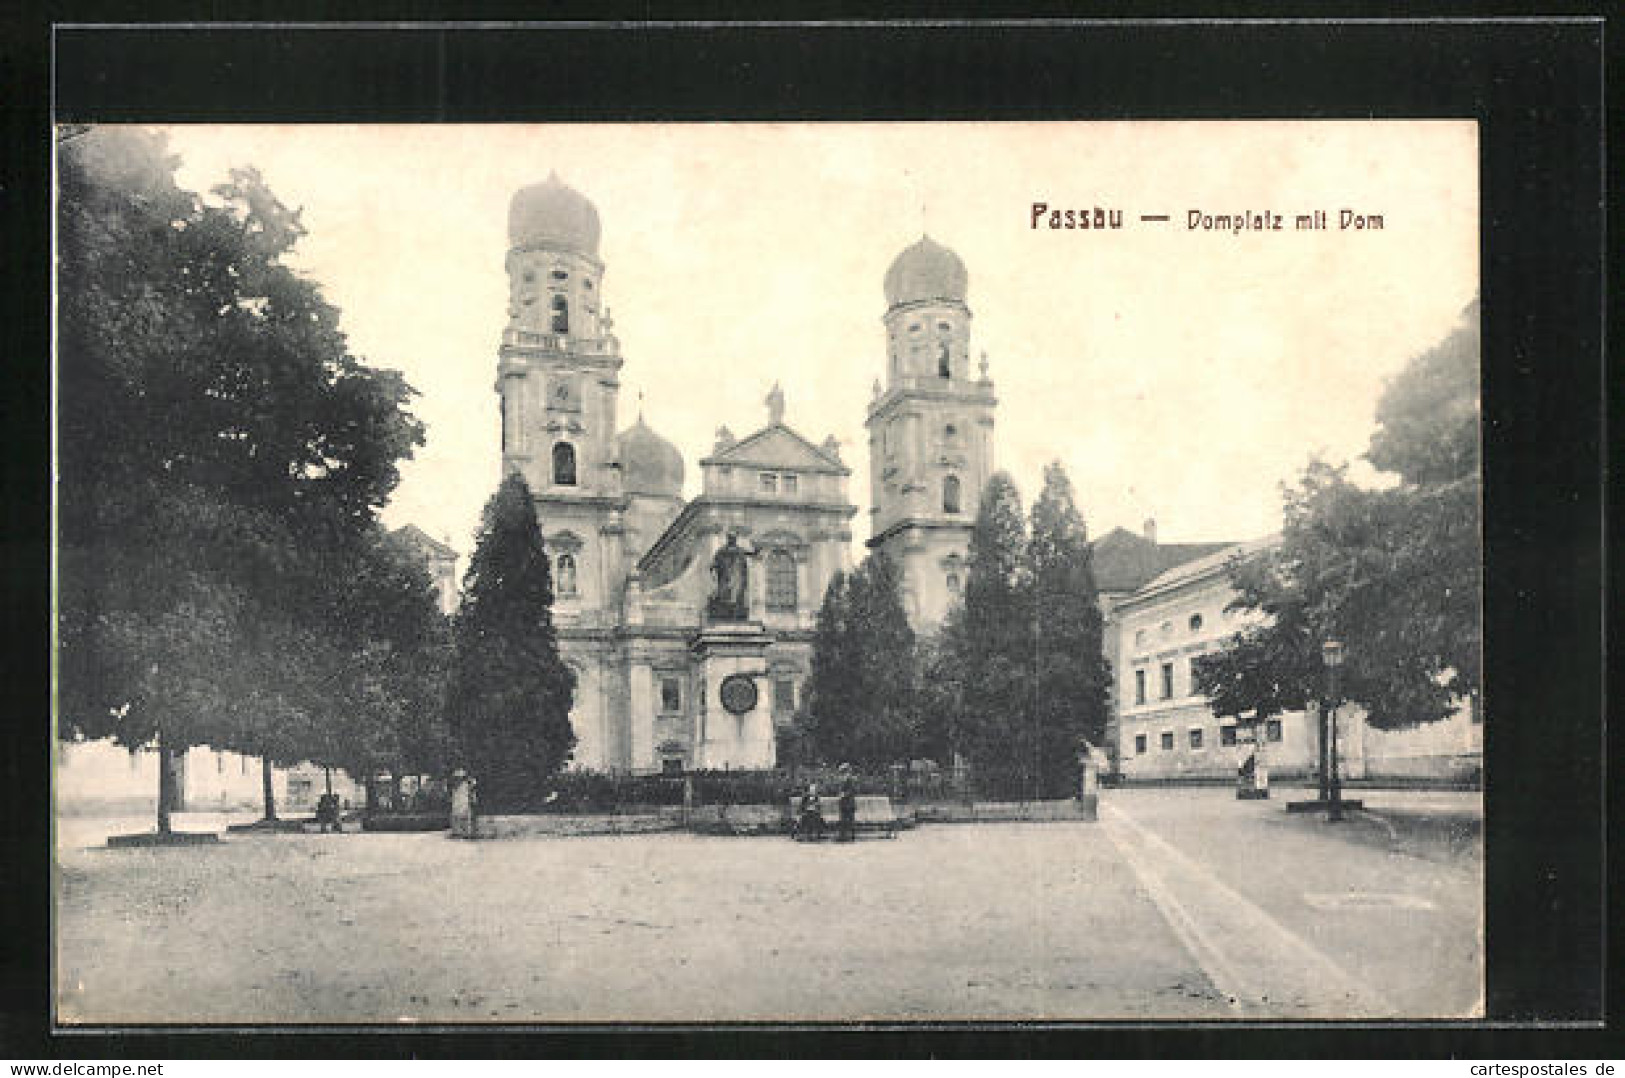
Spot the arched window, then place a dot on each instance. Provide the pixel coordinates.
(944, 369)
(950, 494)
(565, 568)
(781, 581)
(564, 464)
(561, 314)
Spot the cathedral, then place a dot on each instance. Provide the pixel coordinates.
(689, 624)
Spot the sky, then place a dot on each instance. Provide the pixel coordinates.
(1178, 373)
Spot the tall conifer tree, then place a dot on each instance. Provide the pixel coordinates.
(823, 723)
(993, 642)
(881, 644)
(510, 693)
(1069, 660)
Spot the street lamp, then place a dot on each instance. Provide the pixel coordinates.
(1331, 653)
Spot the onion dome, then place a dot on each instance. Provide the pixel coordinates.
(925, 272)
(649, 463)
(550, 214)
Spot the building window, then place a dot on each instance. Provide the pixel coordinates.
(561, 315)
(1227, 735)
(953, 584)
(944, 366)
(790, 484)
(1196, 623)
(1166, 628)
(671, 695)
(242, 764)
(950, 494)
(1196, 737)
(1167, 741)
(784, 695)
(672, 765)
(770, 483)
(1139, 744)
(1139, 638)
(1139, 686)
(781, 581)
(564, 464)
(1272, 730)
(567, 574)
(1167, 681)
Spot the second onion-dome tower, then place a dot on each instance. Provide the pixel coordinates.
(930, 431)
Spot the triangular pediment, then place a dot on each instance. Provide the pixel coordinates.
(778, 447)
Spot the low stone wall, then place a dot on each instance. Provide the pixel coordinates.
(564, 826)
(1071, 809)
(739, 820)
(1008, 812)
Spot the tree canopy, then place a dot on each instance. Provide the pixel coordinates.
(1395, 573)
(1073, 676)
(993, 641)
(221, 453)
(860, 705)
(510, 691)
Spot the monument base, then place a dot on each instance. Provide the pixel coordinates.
(735, 727)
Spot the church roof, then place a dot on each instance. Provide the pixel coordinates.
(421, 542)
(649, 463)
(926, 271)
(1124, 561)
(777, 446)
(551, 214)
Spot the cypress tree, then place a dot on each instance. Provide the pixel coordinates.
(993, 645)
(510, 693)
(881, 646)
(1069, 660)
(821, 724)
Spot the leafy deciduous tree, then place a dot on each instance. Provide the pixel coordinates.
(218, 445)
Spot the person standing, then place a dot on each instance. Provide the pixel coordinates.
(463, 805)
(847, 829)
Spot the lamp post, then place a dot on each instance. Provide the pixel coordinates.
(1331, 653)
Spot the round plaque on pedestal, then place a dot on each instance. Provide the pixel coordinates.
(739, 693)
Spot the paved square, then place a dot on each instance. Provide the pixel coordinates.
(1015, 921)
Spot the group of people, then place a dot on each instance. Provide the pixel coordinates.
(810, 822)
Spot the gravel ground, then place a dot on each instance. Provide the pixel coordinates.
(999, 921)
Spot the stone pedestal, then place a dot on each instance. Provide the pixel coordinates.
(737, 737)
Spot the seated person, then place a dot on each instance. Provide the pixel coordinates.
(810, 818)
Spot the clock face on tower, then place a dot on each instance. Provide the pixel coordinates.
(562, 394)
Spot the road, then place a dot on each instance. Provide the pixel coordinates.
(1179, 904)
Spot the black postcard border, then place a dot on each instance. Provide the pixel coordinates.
(1536, 87)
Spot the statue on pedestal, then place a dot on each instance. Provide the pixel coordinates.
(730, 595)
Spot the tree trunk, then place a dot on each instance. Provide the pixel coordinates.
(265, 783)
(166, 784)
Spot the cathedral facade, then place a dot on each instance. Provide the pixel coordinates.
(689, 624)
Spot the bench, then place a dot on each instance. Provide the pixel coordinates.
(874, 814)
